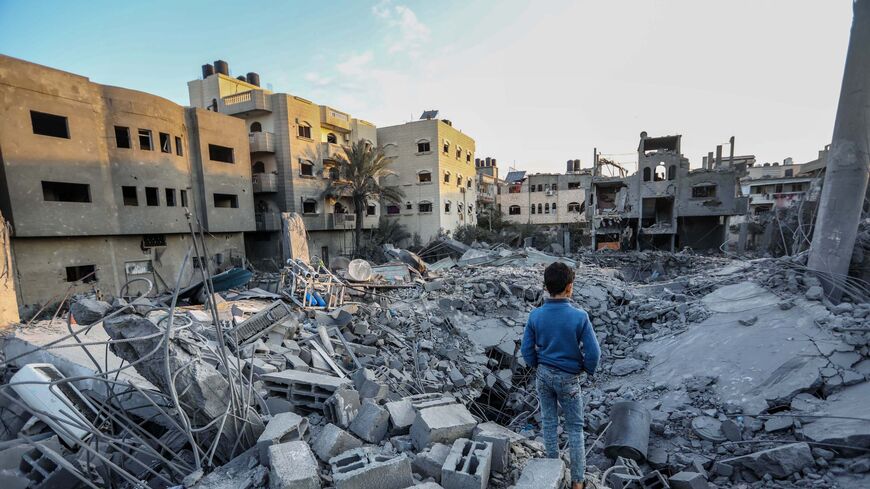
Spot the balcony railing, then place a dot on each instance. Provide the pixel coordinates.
(262, 142)
(334, 118)
(264, 182)
(267, 221)
(252, 101)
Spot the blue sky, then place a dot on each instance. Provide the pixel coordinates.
(535, 83)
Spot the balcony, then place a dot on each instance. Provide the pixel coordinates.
(252, 102)
(334, 118)
(262, 142)
(340, 221)
(267, 221)
(264, 182)
(331, 152)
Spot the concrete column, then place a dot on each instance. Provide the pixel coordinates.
(848, 163)
(8, 294)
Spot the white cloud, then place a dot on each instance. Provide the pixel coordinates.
(356, 64)
(318, 80)
(412, 34)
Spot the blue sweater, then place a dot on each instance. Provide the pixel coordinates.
(554, 336)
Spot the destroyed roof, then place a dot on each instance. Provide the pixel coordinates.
(515, 176)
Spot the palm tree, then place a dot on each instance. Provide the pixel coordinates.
(359, 174)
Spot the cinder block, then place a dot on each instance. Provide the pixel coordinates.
(332, 441)
(342, 406)
(653, 480)
(402, 416)
(501, 439)
(283, 427)
(364, 469)
(368, 386)
(429, 462)
(303, 389)
(46, 468)
(293, 466)
(688, 480)
(542, 473)
(442, 424)
(371, 422)
(468, 465)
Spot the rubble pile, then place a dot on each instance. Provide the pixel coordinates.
(409, 374)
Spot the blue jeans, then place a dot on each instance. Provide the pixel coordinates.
(557, 386)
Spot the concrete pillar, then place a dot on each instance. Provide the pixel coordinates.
(718, 156)
(8, 297)
(848, 163)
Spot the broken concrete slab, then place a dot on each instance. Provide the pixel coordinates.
(780, 462)
(442, 424)
(626, 366)
(293, 466)
(89, 311)
(542, 473)
(333, 441)
(688, 480)
(755, 367)
(851, 402)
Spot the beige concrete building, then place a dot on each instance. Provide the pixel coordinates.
(96, 182)
(294, 144)
(545, 198)
(487, 184)
(434, 165)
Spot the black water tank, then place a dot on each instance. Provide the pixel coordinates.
(254, 79)
(207, 71)
(242, 78)
(222, 67)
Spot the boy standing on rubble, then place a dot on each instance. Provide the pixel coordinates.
(560, 343)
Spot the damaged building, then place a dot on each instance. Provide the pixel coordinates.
(97, 183)
(664, 204)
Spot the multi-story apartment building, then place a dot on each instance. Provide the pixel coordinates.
(664, 204)
(546, 198)
(487, 184)
(434, 167)
(773, 186)
(97, 181)
(294, 145)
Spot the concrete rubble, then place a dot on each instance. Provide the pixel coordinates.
(409, 374)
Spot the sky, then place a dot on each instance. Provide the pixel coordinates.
(535, 83)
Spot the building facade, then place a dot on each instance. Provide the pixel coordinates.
(487, 184)
(664, 204)
(97, 183)
(294, 146)
(546, 198)
(434, 167)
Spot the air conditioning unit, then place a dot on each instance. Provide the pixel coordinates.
(54, 403)
(347, 137)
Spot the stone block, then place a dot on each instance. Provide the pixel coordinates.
(780, 462)
(402, 416)
(468, 465)
(303, 389)
(428, 463)
(442, 424)
(283, 427)
(342, 406)
(332, 441)
(371, 422)
(542, 473)
(501, 439)
(688, 480)
(293, 466)
(364, 469)
(368, 385)
(89, 311)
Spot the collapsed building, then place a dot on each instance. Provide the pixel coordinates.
(664, 205)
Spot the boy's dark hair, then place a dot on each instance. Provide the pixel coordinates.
(557, 276)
